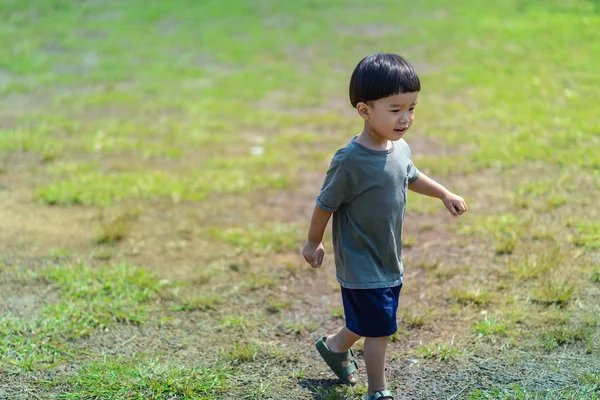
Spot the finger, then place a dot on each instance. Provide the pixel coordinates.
(315, 260)
(453, 210)
(320, 256)
(308, 259)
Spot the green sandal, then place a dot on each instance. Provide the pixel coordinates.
(381, 394)
(334, 361)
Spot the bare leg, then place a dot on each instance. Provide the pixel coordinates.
(375, 349)
(341, 342)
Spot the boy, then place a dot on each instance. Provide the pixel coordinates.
(365, 190)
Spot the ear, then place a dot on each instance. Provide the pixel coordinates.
(363, 110)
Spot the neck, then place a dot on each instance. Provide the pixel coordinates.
(372, 140)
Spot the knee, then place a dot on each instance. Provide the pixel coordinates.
(380, 341)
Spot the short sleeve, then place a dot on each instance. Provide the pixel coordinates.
(412, 173)
(338, 186)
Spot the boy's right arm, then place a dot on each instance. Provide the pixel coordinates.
(314, 251)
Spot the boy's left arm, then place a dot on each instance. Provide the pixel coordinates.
(427, 186)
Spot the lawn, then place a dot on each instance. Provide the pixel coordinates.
(159, 163)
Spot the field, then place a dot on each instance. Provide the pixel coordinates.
(159, 163)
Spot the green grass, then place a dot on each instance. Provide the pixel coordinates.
(140, 378)
(264, 239)
(476, 296)
(114, 226)
(96, 297)
(447, 272)
(235, 322)
(337, 312)
(241, 353)
(158, 111)
(588, 235)
(412, 319)
(591, 378)
(91, 298)
(585, 392)
(298, 328)
(506, 243)
(261, 281)
(564, 335)
(440, 352)
(275, 306)
(559, 292)
(59, 253)
(201, 303)
(490, 327)
(536, 265)
(159, 102)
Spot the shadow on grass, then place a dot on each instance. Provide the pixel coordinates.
(321, 389)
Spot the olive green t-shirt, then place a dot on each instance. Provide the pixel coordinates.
(366, 192)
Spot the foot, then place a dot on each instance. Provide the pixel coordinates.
(370, 394)
(333, 347)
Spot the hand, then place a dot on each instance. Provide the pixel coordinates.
(313, 253)
(455, 204)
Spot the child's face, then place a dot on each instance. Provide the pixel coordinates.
(390, 117)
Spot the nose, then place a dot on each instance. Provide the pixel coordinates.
(404, 116)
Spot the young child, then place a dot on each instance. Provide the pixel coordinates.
(365, 189)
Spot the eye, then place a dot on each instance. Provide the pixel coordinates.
(412, 109)
(394, 111)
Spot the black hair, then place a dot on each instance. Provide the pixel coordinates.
(382, 75)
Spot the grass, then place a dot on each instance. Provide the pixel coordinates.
(586, 392)
(59, 253)
(449, 272)
(413, 320)
(115, 226)
(95, 297)
(259, 240)
(536, 265)
(152, 91)
(298, 328)
(408, 242)
(427, 265)
(588, 235)
(141, 378)
(340, 393)
(477, 296)
(261, 281)
(440, 352)
(275, 306)
(107, 103)
(235, 322)
(91, 299)
(506, 243)
(591, 378)
(337, 312)
(564, 335)
(199, 303)
(490, 328)
(555, 292)
(241, 353)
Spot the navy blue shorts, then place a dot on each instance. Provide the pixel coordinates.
(371, 312)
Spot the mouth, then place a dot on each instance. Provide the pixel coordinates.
(400, 130)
